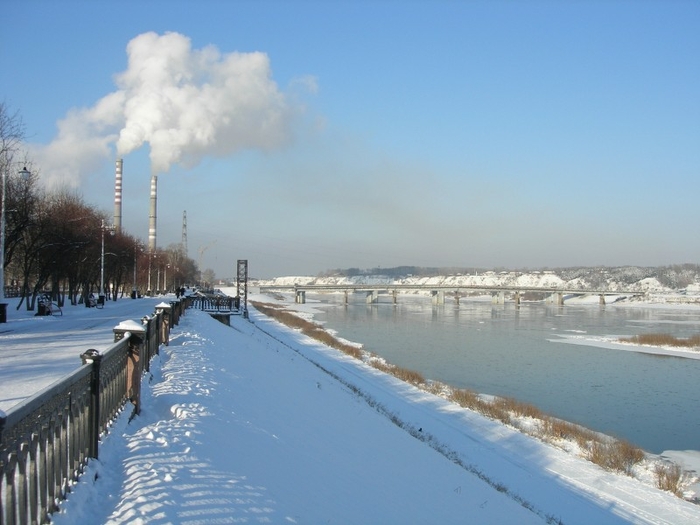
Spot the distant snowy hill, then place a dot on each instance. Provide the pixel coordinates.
(677, 281)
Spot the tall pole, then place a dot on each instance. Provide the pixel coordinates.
(2, 233)
(102, 261)
(148, 290)
(133, 286)
(102, 265)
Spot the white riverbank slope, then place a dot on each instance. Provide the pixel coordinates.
(257, 423)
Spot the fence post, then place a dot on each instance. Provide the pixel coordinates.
(175, 312)
(134, 363)
(165, 311)
(93, 357)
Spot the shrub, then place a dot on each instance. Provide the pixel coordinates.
(404, 374)
(520, 409)
(436, 387)
(616, 455)
(407, 375)
(669, 477)
(465, 398)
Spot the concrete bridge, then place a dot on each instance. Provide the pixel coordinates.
(437, 292)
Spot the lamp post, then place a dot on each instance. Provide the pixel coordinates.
(101, 298)
(165, 278)
(134, 290)
(24, 173)
(151, 256)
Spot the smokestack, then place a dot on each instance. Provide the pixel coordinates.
(118, 197)
(152, 215)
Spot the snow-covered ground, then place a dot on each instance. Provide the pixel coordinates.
(256, 423)
(36, 351)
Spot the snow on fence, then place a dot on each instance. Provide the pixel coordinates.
(47, 440)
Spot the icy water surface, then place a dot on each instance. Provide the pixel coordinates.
(504, 350)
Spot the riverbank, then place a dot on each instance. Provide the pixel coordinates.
(690, 460)
(258, 422)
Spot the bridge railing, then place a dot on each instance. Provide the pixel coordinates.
(47, 440)
(444, 287)
(215, 303)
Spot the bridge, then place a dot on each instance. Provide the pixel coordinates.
(498, 292)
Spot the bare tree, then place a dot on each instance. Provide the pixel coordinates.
(11, 137)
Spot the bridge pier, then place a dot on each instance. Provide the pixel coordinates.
(517, 297)
(300, 297)
(346, 297)
(372, 297)
(499, 298)
(556, 298)
(601, 302)
(395, 297)
(457, 298)
(438, 297)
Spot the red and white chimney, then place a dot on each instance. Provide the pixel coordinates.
(118, 197)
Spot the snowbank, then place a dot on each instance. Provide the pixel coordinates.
(257, 423)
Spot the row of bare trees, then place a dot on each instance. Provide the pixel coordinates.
(53, 242)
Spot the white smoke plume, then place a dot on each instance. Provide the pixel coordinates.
(184, 103)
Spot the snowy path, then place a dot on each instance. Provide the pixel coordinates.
(36, 351)
(257, 424)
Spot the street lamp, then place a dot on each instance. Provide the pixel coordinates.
(110, 229)
(151, 256)
(24, 173)
(134, 289)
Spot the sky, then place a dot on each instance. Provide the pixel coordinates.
(305, 136)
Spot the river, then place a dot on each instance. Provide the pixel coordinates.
(523, 352)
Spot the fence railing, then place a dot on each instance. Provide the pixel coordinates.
(47, 440)
(215, 303)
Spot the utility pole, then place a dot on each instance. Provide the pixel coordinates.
(184, 233)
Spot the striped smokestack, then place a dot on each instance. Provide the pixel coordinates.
(118, 197)
(152, 215)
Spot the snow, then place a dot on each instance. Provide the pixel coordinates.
(546, 279)
(257, 423)
(614, 344)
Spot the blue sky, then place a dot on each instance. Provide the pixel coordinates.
(473, 134)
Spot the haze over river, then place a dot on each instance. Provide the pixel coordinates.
(523, 352)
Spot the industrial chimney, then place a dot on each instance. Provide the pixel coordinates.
(152, 215)
(118, 197)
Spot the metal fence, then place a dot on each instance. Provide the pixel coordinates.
(47, 440)
(215, 303)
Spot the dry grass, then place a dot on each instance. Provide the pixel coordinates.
(669, 477)
(663, 340)
(555, 428)
(617, 455)
(519, 408)
(308, 328)
(407, 375)
(465, 398)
